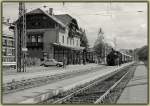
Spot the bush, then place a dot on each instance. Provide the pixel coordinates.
(143, 53)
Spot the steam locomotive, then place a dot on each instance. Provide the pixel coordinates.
(117, 58)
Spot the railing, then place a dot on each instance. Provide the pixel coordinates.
(8, 58)
(34, 44)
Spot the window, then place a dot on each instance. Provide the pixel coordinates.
(73, 41)
(4, 51)
(62, 39)
(4, 59)
(9, 52)
(67, 40)
(12, 43)
(4, 42)
(9, 43)
(70, 41)
(13, 52)
(39, 38)
(29, 38)
(44, 17)
(33, 39)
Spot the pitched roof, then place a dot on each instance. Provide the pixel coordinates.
(65, 18)
(38, 11)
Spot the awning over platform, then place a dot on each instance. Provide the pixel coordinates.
(69, 47)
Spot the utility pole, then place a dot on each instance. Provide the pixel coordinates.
(21, 39)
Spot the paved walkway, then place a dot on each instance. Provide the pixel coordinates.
(34, 95)
(45, 71)
(136, 90)
(34, 69)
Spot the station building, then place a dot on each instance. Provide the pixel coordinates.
(53, 36)
(8, 44)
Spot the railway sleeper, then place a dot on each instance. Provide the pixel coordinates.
(115, 93)
(103, 99)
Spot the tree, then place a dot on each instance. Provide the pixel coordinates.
(99, 46)
(99, 43)
(83, 40)
(143, 53)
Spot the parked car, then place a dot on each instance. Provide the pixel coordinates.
(52, 62)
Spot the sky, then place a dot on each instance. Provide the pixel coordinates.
(124, 22)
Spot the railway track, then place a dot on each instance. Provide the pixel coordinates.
(15, 86)
(97, 91)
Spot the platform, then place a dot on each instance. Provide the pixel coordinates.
(136, 91)
(44, 71)
(37, 94)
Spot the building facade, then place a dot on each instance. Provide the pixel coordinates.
(52, 36)
(8, 45)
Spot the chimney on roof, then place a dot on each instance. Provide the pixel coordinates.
(51, 11)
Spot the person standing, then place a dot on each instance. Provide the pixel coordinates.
(64, 62)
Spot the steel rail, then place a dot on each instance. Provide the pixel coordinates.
(68, 96)
(110, 89)
(86, 87)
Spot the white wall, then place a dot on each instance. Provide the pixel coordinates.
(76, 39)
(61, 34)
